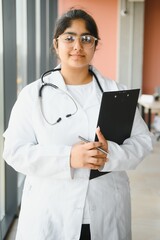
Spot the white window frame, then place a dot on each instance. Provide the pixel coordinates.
(130, 43)
(2, 164)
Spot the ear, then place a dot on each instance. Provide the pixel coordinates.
(55, 45)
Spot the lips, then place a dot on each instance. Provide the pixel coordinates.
(77, 55)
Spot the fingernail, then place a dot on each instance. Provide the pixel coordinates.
(99, 128)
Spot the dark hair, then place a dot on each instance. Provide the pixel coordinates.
(66, 19)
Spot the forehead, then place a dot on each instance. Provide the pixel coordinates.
(77, 26)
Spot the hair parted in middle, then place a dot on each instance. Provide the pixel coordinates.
(66, 19)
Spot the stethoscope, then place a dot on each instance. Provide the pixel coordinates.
(44, 84)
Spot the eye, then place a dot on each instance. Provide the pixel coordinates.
(69, 38)
(86, 39)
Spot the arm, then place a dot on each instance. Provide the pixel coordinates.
(24, 153)
(128, 155)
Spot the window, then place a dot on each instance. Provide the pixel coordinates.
(21, 41)
(2, 177)
(21, 38)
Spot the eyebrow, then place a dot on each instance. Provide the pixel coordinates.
(75, 34)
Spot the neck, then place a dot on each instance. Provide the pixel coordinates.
(76, 76)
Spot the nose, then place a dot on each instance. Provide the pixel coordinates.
(77, 44)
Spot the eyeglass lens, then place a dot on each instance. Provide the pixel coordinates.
(87, 41)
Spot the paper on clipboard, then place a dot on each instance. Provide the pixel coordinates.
(116, 117)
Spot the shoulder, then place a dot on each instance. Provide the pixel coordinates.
(107, 83)
(31, 90)
(28, 96)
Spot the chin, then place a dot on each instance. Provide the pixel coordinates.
(79, 65)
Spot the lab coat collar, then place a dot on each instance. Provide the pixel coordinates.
(106, 84)
(57, 79)
(94, 98)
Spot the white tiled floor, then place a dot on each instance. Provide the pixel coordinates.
(145, 194)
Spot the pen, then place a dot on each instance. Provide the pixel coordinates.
(100, 149)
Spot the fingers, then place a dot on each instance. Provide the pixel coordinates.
(93, 151)
(95, 163)
(81, 155)
(100, 136)
(92, 145)
(96, 153)
(86, 155)
(102, 139)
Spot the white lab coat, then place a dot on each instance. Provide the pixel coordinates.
(54, 195)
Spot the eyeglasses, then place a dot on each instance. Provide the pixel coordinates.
(87, 41)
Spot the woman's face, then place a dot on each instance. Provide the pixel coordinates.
(75, 54)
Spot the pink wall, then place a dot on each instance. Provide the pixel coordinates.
(151, 64)
(105, 15)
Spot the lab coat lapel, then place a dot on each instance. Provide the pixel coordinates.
(57, 79)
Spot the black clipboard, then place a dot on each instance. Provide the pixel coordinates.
(116, 117)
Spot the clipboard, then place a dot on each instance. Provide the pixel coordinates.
(116, 117)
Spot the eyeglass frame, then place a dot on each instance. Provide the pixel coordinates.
(77, 37)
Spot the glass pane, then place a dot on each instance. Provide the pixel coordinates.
(21, 31)
(2, 177)
(38, 38)
(21, 25)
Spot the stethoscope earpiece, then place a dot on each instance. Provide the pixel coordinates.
(69, 115)
(59, 119)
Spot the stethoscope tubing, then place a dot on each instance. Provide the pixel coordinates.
(53, 85)
(57, 88)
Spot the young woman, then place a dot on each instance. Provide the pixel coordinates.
(59, 201)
